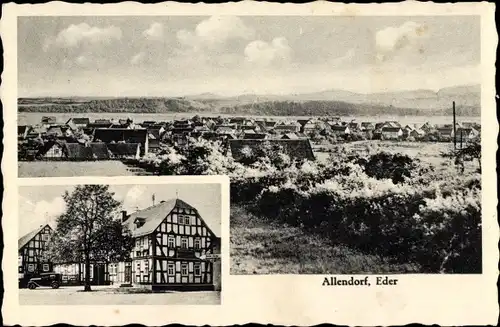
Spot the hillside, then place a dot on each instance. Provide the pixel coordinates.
(329, 102)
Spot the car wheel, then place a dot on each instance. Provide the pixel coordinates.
(31, 286)
(55, 285)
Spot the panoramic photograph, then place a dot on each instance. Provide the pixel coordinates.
(120, 244)
(353, 144)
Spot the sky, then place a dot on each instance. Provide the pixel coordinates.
(233, 55)
(39, 205)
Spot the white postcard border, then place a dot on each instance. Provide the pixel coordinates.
(278, 299)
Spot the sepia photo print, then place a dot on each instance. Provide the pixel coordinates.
(120, 244)
(353, 144)
(220, 164)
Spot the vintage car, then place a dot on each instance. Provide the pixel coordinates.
(45, 280)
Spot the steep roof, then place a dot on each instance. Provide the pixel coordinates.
(78, 120)
(297, 149)
(338, 128)
(23, 240)
(254, 136)
(78, 151)
(121, 134)
(154, 215)
(391, 129)
(290, 136)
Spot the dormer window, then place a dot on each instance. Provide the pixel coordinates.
(139, 222)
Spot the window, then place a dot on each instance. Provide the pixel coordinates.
(31, 267)
(197, 243)
(184, 243)
(184, 269)
(138, 266)
(197, 269)
(46, 267)
(171, 242)
(45, 237)
(171, 269)
(185, 220)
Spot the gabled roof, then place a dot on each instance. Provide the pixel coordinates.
(120, 134)
(154, 216)
(255, 136)
(78, 121)
(290, 136)
(23, 240)
(338, 128)
(78, 151)
(391, 129)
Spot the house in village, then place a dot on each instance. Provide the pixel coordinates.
(123, 135)
(417, 134)
(154, 140)
(78, 123)
(252, 135)
(32, 261)
(391, 133)
(445, 133)
(180, 131)
(354, 126)
(59, 132)
(466, 134)
(98, 123)
(37, 131)
(31, 248)
(48, 121)
(291, 127)
(172, 241)
(296, 149)
(367, 126)
(58, 150)
(340, 130)
(312, 126)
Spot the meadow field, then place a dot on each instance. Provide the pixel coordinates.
(363, 209)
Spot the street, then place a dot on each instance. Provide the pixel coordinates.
(103, 295)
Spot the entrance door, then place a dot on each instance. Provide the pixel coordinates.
(128, 275)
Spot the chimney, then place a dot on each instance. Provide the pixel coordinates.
(124, 215)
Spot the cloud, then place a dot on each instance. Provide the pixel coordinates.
(346, 58)
(214, 31)
(81, 60)
(76, 35)
(50, 209)
(154, 32)
(138, 58)
(264, 53)
(392, 40)
(134, 198)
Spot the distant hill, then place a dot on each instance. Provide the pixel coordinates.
(328, 102)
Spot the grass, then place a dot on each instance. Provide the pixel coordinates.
(259, 246)
(71, 168)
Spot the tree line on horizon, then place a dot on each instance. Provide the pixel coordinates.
(274, 108)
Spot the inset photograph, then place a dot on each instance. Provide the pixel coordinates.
(154, 244)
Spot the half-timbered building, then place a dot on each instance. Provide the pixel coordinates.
(171, 244)
(31, 249)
